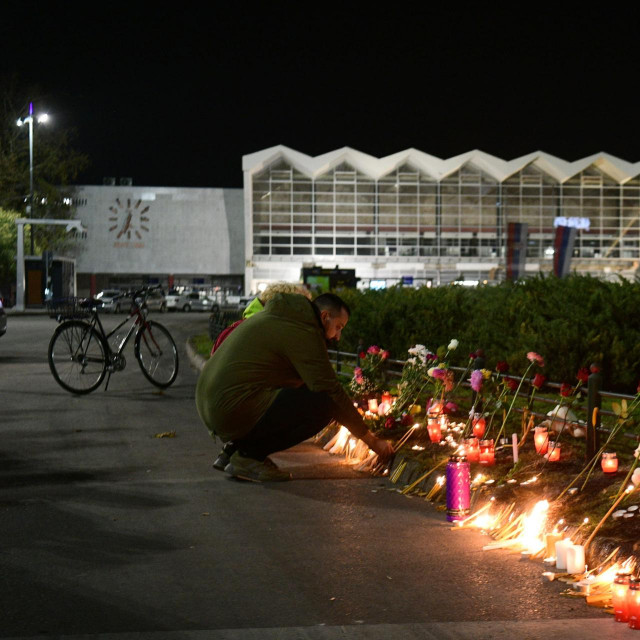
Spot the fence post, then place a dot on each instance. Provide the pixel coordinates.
(594, 403)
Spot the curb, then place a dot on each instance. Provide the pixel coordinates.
(197, 361)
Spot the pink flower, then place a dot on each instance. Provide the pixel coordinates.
(448, 380)
(476, 380)
(373, 349)
(385, 355)
(450, 407)
(439, 374)
(532, 356)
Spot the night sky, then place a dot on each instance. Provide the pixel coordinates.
(176, 97)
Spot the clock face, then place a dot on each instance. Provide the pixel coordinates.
(128, 220)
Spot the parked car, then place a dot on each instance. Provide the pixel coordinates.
(3, 317)
(109, 304)
(156, 301)
(194, 301)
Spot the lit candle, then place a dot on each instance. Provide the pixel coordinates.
(550, 540)
(487, 452)
(373, 405)
(514, 445)
(386, 397)
(433, 427)
(619, 597)
(435, 409)
(479, 424)
(633, 603)
(458, 488)
(561, 553)
(554, 452)
(609, 462)
(472, 448)
(541, 440)
(575, 559)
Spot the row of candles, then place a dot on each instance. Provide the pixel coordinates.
(625, 598)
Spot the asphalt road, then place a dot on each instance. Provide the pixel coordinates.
(108, 531)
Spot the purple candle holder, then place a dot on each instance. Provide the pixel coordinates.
(458, 488)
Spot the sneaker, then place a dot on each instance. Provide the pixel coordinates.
(254, 470)
(221, 461)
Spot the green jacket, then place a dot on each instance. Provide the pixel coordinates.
(283, 346)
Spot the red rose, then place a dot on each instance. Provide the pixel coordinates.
(390, 423)
(406, 420)
(502, 367)
(512, 384)
(472, 356)
(362, 355)
(565, 389)
(583, 375)
(538, 380)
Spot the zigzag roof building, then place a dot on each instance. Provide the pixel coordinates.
(411, 216)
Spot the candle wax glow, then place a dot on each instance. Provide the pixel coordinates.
(541, 440)
(435, 432)
(553, 452)
(479, 425)
(609, 462)
(487, 452)
(633, 604)
(472, 449)
(619, 598)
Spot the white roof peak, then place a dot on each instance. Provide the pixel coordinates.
(437, 168)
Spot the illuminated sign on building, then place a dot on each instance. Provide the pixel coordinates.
(576, 223)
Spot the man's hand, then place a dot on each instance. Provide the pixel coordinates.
(383, 448)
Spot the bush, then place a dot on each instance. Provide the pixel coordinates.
(572, 322)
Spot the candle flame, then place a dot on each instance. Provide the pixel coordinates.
(533, 527)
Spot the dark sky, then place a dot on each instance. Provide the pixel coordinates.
(176, 97)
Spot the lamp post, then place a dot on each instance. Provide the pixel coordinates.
(29, 120)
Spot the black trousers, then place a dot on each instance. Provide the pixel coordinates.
(295, 415)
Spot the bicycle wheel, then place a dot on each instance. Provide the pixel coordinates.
(157, 354)
(77, 357)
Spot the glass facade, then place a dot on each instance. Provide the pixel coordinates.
(463, 216)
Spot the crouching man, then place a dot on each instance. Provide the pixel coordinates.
(271, 385)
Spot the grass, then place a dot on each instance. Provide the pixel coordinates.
(202, 345)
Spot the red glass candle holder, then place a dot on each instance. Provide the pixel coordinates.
(472, 449)
(434, 429)
(479, 424)
(487, 452)
(633, 603)
(553, 451)
(619, 591)
(609, 462)
(541, 440)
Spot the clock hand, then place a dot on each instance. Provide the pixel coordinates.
(126, 225)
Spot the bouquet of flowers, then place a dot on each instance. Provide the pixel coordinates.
(371, 376)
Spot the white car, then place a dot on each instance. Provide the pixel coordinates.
(111, 305)
(193, 301)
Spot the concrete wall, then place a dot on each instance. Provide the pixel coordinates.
(160, 230)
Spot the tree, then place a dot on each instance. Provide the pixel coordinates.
(56, 165)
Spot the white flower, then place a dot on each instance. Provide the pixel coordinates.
(636, 453)
(635, 478)
(453, 345)
(430, 372)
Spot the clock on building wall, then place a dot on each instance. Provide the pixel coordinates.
(128, 220)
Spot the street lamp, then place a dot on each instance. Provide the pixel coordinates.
(43, 117)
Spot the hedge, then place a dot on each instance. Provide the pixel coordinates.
(572, 322)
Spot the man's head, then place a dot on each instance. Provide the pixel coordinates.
(334, 314)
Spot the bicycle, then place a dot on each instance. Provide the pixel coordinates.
(80, 354)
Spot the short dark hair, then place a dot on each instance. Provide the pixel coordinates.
(332, 303)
